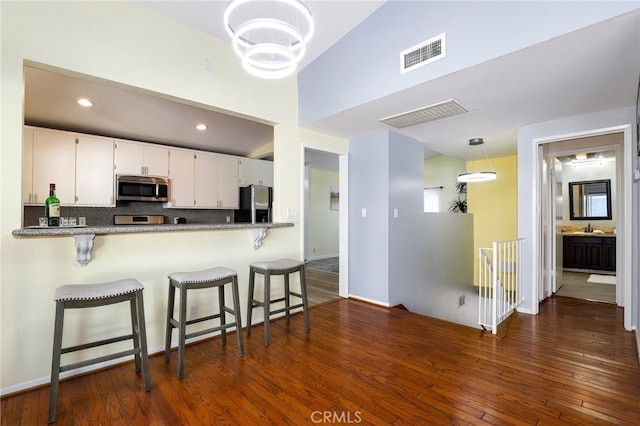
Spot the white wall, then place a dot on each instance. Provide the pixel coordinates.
(444, 248)
(443, 170)
(369, 217)
(323, 222)
(129, 45)
(572, 174)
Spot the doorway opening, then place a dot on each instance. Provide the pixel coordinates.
(557, 226)
(585, 226)
(324, 217)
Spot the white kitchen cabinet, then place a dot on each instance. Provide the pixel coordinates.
(181, 177)
(94, 171)
(80, 165)
(27, 165)
(206, 180)
(54, 161)
(255, 172)
(138, 158)
(228, 187)
(216, 181)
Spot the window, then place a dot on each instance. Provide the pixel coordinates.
(432, 199)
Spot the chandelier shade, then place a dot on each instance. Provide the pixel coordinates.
(477, 176)
(269, 36)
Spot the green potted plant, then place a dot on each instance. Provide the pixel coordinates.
(459, 205)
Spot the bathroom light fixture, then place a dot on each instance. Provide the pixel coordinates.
(480, 176)
(581, 156)
(85, 102)
(597, 161)
(270, 36)
(201, 126)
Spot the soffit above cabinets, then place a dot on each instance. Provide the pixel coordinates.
(122, 112)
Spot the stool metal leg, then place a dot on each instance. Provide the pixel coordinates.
(305, 305)
(55, 362)
(237, 314)
(135, 331)
(142, 337)
(287, 302)
(171, 304)
(223, 319)
(267, 306)
(252, 278)
(182, 329)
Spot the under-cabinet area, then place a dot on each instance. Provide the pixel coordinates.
(589, 252)
(204, 186)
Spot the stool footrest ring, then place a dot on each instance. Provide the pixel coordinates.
(96, 360)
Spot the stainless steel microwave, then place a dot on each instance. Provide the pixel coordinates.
(142, 188)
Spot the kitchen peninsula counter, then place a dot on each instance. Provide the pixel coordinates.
(37, 231)
(84, 236)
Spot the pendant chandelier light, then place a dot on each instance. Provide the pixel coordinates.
(481, 176)
(269, 36)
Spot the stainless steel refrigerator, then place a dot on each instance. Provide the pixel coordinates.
(255, 204)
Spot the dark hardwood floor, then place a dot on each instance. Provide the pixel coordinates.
(572, 364)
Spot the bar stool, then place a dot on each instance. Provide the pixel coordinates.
(283, 267)
(184, 281)
(76, 296)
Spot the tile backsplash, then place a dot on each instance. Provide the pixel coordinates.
(103, 216)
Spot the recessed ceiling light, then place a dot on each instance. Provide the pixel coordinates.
(201, 126)
(85, 102)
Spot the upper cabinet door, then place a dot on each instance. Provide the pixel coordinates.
(181, 176)
(255, 172)
(156, 160)
(135, 158)
(228, 193)
(27, 165)
(206, 180)
(94, 171)
(54, 161)
(129, 158)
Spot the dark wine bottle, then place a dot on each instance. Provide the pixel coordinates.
(52, 207)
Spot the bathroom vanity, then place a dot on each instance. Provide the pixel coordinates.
(589, 251)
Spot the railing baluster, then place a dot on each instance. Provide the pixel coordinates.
(500, 282)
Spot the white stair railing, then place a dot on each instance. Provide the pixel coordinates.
(500, 282)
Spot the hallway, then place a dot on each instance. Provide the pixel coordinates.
(322, 280)
(576, 285)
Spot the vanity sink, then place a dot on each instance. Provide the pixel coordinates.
(587, 233)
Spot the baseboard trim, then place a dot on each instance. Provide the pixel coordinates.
(321, 257)
(371, 301)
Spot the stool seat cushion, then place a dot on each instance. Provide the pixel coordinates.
(204, 276)
(97, 291)
(275, 265)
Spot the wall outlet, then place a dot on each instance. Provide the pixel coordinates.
(193, 311)
(461, 300)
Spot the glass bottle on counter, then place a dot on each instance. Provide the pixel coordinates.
(52, 207)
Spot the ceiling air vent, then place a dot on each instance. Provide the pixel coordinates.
(423, 53)
(422, 115)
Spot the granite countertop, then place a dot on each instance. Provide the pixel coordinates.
(588, 234)
(36, 231)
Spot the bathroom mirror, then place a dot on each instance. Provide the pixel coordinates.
(590, 200)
